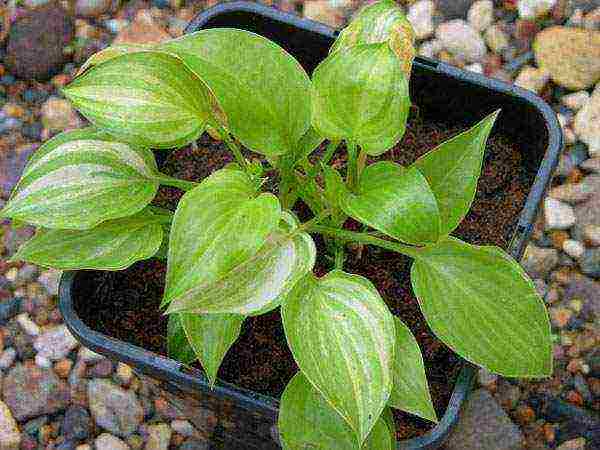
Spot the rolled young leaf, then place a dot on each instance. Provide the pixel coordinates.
(112, 245)
(263, 90)
(452, 170)
(410, 392)
(342, 337)
(381, 21)
(145, 98)
(211, 336)
(361, 95)
(74, 179)
(306, 420)
(259, 283)
(481, 304)
(395, 201)
(177, 342)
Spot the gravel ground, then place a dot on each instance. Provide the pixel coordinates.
(58, 395)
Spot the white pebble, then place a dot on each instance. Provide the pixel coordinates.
(7, 357)
(420, 16)
(42, 361)
(183, 427)
(28, 325)
(576, 100)
(558, 215)
(481, 14)
(88, 356)
(573, 248)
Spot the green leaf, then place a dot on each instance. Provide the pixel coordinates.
(112, 52)
(211, 336)
(112, 245)
(307, 144)
(335, 190)
(395, 201)
(361, 95)
(263, 90)
(388, 418)
(146, 98)
(177, 342)
(481, 304)
(452, 170)
(307, 421)
(410, 392)
(381, 21)
(72, 182)
(259, 283)
(342, 337)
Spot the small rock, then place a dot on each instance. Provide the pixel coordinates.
(486, 378)
(194, 444)
(420, 16)
(484, 424)
(28, 325)
(587, 119)
(102, 369)
(183, 427)
(591, 234)
(481, 14)
(88, 356)
(323, 11)
(453, 9)
(63, 367)
(92, 8)
(558, 215)
(590, 262)
(84, 447)
(10, 438)
(475, 67)
(576, 100)
(7, 358)
(36, 41)
(532, 9)
(538, 262)
(143, 30)
(59, 115)
(591, 165)
(570, 55)
(114, 408)
(9, 308)
(573, 248)
(76, 424)
(49, 279)
(577, 192)
(532, 79)
(524, 414)
(135, 441)
(124, 374)
(496, 39)
(460, 39)
(42, 361)
(430, 48)
(573, 444)
(109, 442)
(159, 436)
(581, 386)
(30, 391)
(56, 343)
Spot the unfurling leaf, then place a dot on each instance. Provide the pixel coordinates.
(361, 95)
(480, 303)
(177, 342)
(112, 245)
(410, 392)
(395, 201)
(146, 98)
(342, 337)
(82, 178)
(263, 90)
(306, 420)
(378, 22)
(211, 336)
(452, 170)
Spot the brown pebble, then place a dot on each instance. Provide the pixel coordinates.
(177, 439)
(575, 398)
(549, 432)
(594, 385)
(575, 176)
(560, 316)
(63, 367)
(61, 80)
(524, 414)
(558, 238)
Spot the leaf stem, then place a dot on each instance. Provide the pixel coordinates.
(331, 148)
(184, 185)
(232, 145)
(314, 221)
(352, 166)
(351, 236)
(362, 161)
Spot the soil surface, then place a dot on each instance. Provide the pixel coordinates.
(260, 360)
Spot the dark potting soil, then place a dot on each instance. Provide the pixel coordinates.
(125, 304)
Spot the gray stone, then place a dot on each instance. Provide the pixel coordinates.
(496, 38)
(113, 408)
(92, 8)
(558, 215)
(576, 100)
(194, 444)
(55, 343)
(532, 9)
(109, 442)
(577, 192)
(7, 358)
(460, 39)
(587, 119)
(483, 424)
(420, 15)
(76, 424)
(591, 165)
(590, 262)
(10, 438)
(31, 391)
(159, 436)
(183, 427)
(591, 234)
(586, 213)
(481, 14)
(538, 262)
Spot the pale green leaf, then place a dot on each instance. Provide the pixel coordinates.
(410, 392)
(259, 283)
(480, 303)
(377, 22)
(73, 181)
(211, 336)
(263, 90)
(146, 98)
(177, 342)
(112, 245)
(361, 95)
(307, 144)
(307, 421)
(388, 418)
(112, 52)
(395, 201)
(342, 337)
(452, 170)
(217, 226)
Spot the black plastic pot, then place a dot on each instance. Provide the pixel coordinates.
(245, 420)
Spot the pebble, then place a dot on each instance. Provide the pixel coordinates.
(58, 115)
(538, 262)
(581, 386)
(10, 438)
(159, 436)
(194, 444)
(591, 165)
(55, 343)
(114, 408)
(460, 39)
(7, 358)
(76, 424)
(107, 441)
(560, 316)
(573, 248)
(63, 367)
(420, 15)
(9, 308)
(587, 119)
(28, 325)
(590, 262)
(591, 234)
(430, 48)
(532, 78)
(558, 215)
(88, 356)
(573, 444)
(124, 374)
(42, 361)
(532, 9)
(575, 100)
(183, 427)
(496, 38)
(577, 192)
(481, 15)
(524, 414)
(92, 8)
(323, 11)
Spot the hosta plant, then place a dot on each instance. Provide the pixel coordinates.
(235, 250)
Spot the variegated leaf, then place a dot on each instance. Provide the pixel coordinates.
(81, 178)
(146, 98)
(306, 421)
(259, 283)
(112, 52)
(342, 337)
(410, 392)
(112, 245)
(211, 336)
(480, 303)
